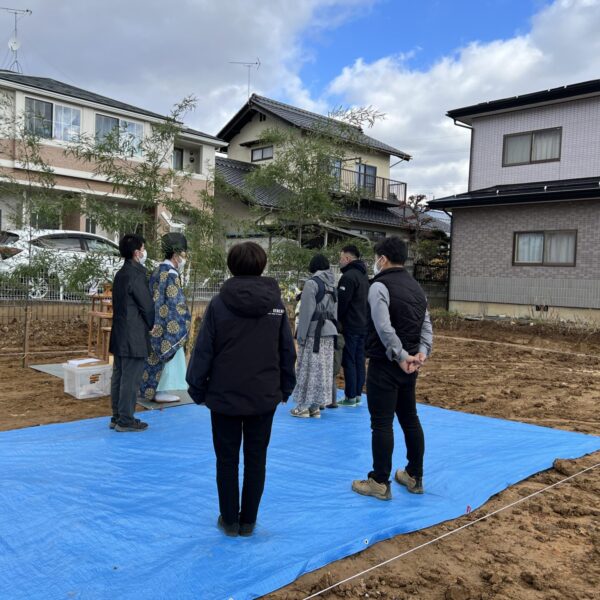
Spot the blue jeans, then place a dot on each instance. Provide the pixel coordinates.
(353, 361)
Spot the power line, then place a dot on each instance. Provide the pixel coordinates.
(449, 533)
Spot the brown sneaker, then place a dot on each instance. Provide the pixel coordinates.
(369, 487)
(413, 484)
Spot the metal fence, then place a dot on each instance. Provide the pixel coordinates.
(44, 299)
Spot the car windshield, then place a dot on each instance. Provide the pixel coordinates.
(64, 243)
(8, 238)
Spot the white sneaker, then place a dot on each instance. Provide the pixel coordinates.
(164, 397)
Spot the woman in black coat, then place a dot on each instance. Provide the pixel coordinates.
(242, 367)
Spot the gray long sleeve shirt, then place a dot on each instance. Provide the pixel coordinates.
(379, 305)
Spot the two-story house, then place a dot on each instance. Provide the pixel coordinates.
(59, 113)
(526, 234)
(366, 172)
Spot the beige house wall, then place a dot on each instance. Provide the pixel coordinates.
(255, 128)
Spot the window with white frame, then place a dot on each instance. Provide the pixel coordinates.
(547, 248)
(67, 123)
(127, 134)
(51, 120)
(532, 147)
(265, 153)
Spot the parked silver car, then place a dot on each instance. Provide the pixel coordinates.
(59, 252)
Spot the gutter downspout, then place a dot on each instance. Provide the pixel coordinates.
(449, 259)
(470, 128)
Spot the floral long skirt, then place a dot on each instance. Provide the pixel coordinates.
(314, 374)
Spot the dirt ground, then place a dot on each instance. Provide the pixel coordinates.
(547, 547)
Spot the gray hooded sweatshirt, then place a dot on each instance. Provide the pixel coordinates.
(308, 307)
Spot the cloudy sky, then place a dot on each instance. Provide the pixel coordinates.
(411, 60)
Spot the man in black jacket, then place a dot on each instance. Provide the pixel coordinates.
(353, 289)
(133, 318)
(242, 367)
(399, 341)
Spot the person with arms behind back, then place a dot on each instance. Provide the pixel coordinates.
(242, 367)
(399, 341)
(133, 318)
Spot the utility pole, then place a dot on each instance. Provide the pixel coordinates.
(13, 43)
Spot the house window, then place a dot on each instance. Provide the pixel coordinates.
(532, 147)
(52, 121)
(128, 134)
(67, 123)
(548, 248)
(265, 153)
(38, 118)
(366, 176)
(132, 135)
(178, 159)
(336, 172)
(262, 117)
(90, 225)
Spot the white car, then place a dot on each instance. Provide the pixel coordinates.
(57, 252)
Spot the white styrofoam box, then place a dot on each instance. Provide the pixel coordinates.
(87, 382)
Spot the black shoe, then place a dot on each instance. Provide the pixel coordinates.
(113, 423)
(334, 404)
(137, 425)
(247, 529)
(231, 530)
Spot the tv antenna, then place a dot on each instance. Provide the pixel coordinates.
(13, 43)
(249, 66)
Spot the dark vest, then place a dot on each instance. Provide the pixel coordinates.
(408, 305)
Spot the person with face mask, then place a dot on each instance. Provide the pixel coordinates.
(353, 289)
(165, 367)
(133, 318)
(399, 340)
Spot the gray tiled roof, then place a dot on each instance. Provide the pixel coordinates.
(234, 173)
(430, 221)
(64, 89)
(307, 120)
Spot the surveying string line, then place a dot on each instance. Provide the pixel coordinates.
(449, 533)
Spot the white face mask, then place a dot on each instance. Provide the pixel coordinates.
(181, 264)
(376, 267)
(143, 257)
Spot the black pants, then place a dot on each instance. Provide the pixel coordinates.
(353, 361)
(391, 392)
(228, 432)
(126, 378)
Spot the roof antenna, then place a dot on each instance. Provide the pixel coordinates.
(248, 66)
(13, 43)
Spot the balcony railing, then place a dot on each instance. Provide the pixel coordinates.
(369, 187)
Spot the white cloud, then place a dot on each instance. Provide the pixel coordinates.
(152, 53)
(562, 47)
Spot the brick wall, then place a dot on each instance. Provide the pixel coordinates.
(482, 252)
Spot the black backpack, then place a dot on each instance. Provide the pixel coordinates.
(322, 317)
(321, 291)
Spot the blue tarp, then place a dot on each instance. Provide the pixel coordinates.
(89, 513)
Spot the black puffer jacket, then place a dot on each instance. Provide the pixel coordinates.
(353, 292)
(244, 357)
